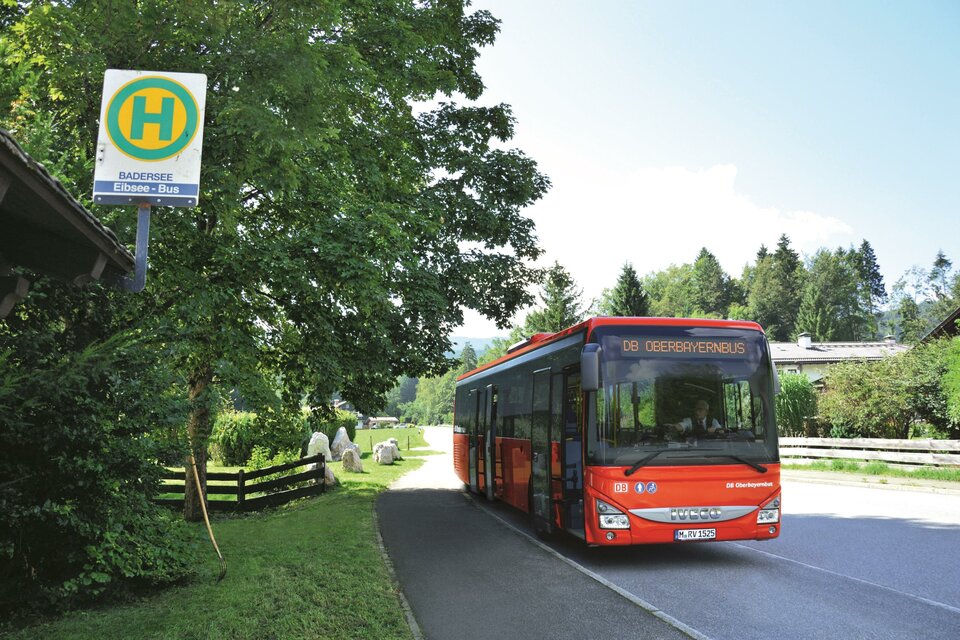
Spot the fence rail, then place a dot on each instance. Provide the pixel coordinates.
(907, 453)
(273, 492)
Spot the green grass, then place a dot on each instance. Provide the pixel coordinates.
(882, 469)
(311, 569)
(408, 438)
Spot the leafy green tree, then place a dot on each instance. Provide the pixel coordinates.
(434, 401)
(832, 307)
(951, 380)
(710, 286)
(887, 398)
(816, 315)
(339, 233)
(627, 298)
(404, 391)
(561, 300)
(671, 292)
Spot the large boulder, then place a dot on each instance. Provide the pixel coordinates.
(329, 479)
(340, 443)
(383, 453)
(392, 443)
(351, 460)
(319, 443)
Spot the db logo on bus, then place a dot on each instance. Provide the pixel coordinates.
(640, 487)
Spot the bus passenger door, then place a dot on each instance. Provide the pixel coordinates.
(542, 507)
(490, 453)
(473, 411)
(572, 455)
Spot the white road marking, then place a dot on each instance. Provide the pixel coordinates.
(912, 596)
(643, 604)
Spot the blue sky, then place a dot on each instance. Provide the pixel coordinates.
(668, 126)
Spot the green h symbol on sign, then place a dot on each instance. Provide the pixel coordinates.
(142, 117)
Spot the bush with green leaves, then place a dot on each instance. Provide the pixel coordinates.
(237, 433)
(886, 398)
(234, 437)
(951, 379)
(330, 423)
(78, 460)
(796, 405)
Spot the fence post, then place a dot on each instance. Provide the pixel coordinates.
(240, 490)
(322, 468)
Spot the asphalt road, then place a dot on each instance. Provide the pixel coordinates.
(852, 562)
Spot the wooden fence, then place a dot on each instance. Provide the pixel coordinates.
(905, 453)
(244, 495)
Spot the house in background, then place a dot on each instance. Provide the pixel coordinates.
(946, 329)
(814, 358)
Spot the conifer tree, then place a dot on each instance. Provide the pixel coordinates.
(627, 298)
(711, 285)
(774, 296)
(562, 306)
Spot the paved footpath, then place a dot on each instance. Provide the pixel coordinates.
(468, 576)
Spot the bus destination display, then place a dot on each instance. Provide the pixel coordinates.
(666, 347)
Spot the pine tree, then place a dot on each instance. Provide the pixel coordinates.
(468, 358)
(872, 291)
(627, 298)
(711, 285)
(561, 300)
(774, 296)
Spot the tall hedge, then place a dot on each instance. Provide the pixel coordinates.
(78, 463)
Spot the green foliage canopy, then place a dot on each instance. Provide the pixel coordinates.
(340, 231)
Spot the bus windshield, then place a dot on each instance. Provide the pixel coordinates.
(681, 396)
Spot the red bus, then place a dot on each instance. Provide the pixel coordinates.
(628, 431)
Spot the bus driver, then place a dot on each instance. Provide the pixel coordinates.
(699, 423)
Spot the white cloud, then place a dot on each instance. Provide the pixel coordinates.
(657, 216)
(593, 222)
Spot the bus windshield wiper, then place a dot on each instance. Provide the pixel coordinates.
(647, 458)
(753, 465)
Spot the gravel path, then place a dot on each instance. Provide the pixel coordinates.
(437, 471)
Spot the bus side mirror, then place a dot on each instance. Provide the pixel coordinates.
(590, 367)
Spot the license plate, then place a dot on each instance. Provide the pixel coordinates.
(694, 534)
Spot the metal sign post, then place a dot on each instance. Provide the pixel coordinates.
(149, 147)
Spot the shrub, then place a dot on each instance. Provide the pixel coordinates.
(234, 437)
(796, 404)
(329, 424)
(79, 468)
(236, 434)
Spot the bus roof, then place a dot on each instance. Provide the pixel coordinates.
(541, 339)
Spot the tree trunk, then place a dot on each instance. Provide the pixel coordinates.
(198, 433)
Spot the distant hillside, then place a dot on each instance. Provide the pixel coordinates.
(479, 344)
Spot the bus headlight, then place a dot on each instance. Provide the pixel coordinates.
(611, 517)
(768, 516)
(770, 512)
